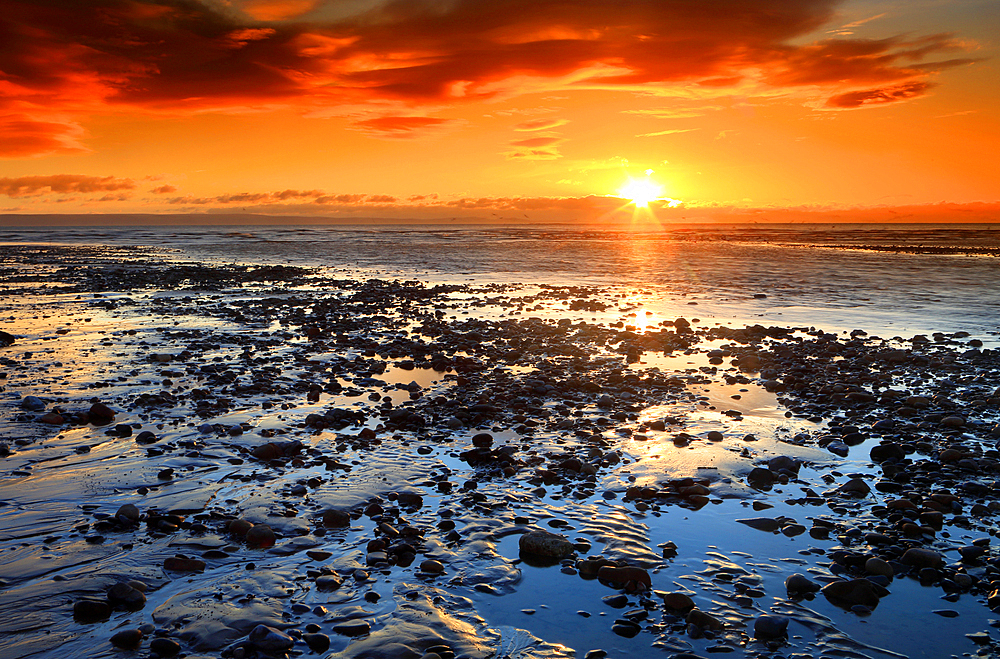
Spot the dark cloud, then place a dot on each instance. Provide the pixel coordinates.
(78, 57)
(879, 96)
(164, 189)
(27, 186)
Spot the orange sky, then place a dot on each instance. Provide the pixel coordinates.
(516, 109)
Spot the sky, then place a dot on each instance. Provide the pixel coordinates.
(502, 110)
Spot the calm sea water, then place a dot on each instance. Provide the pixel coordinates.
(890, 280)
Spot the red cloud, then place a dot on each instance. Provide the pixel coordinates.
(23, 136)
(164, 189)
(78, 57)
(27, 186)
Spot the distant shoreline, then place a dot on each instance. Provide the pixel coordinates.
(52, 220)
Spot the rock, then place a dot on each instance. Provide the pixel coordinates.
(784, 463)
(482, 440)
(129, 639)
(799, 584)
(127, 515)
(124, 595)
(633, 578)
(889, 451)
(762, 523)
(847, 594)
(270, 639)
(703, 620)
(177, 564)
(123, 430)
(855, 487)
(100, 414)
(164, 647)
(838, 447)
(52, 419)
(760, 478)
(715, 436)
(875, 565)
(260, 536)
(328, 582)
(625, 628)
(431, 566)
(768, 627)
(921, 557)
(32, 403)
(269, 451)
(953, 422)
(239, 527)
(546, 544)
(353, 628)
(336, 519)
(6, 338)
(145, 437)
(87, 611)
(677, 602)
(318, 643)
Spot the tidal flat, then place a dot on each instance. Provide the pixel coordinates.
(253, 461)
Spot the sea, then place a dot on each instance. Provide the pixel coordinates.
(890, 280)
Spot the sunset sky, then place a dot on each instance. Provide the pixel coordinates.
(532, 110)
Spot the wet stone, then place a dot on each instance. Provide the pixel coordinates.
(353, 628)
(128, 639)
(164, 647)
(270, 639)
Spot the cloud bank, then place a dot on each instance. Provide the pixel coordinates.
(64, 60)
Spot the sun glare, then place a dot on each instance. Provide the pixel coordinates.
(640, 191)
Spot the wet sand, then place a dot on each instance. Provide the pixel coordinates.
(325, 466)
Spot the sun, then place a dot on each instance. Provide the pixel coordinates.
(640, 191)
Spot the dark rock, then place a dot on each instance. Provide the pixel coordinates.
(100, 414)
(546, 544)
(847, 594)
(270, 639)
(164, 647)
(353, 628)
(768, 627)
(129, 639)
(87, 611)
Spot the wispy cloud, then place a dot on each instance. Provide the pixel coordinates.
(670, 131)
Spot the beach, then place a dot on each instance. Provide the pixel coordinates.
(499, 442)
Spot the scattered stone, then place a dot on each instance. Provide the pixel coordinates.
(353, 628)
(128, 639)
(847, 594)
(546, 544)
(768, 627)
(164, 647)
(260, 536)
(270, 639)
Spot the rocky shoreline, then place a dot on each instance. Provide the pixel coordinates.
(245, 461)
